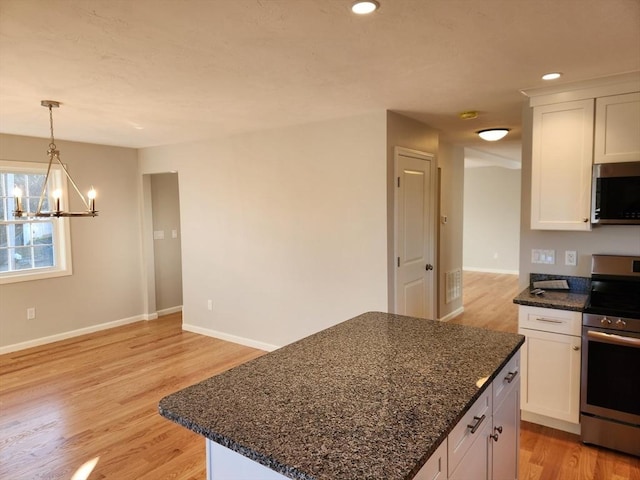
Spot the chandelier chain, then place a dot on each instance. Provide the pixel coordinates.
(52, 145)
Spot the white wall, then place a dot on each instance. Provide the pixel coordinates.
(604, 239)
(106, 283)
(491, 219)
(284, 230)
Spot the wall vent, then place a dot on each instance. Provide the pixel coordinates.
(453, 285)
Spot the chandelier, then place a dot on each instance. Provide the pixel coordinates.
(54, 153)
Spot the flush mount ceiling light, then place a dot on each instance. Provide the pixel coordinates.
(493, 134)
(551, 76)
(364, 7)
(54, 153)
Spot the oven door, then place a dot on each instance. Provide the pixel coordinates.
(611, 374)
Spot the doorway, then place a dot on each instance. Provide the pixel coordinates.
(163, 242)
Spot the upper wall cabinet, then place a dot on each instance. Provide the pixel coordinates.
(573, 126)
(617, 131)
(561, 166)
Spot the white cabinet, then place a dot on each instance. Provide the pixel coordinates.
(617, 129)
(489, 451)
(436, 466)
(551, 364)
(505, 436)
(562, 158)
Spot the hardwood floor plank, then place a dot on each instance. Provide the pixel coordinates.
(66, 403)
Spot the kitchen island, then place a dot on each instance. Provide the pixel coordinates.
(372, 397)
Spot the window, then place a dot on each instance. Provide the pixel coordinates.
(31, 248)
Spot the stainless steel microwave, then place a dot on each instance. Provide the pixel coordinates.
(615, 195)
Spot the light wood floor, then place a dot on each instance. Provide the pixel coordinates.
(96, 396)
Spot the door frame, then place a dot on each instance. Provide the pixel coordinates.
(431, 158)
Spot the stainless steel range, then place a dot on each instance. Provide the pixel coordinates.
(610, 389)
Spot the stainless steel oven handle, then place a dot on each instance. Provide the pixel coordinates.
(614, 339)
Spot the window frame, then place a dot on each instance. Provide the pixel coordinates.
(61, 231)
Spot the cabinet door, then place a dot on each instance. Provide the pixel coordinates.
(551, 375)
(475, 463)
(436, 466)
(561, 162)
(617, 126)
(506, 437)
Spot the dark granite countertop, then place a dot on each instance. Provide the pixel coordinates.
(573, 299)
(557, 299)
(370, 398)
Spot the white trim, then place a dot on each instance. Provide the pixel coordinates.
(168, 311)
(452, 315)
(247, 342)
(491, 270)
(550, 422)
(70, 334)
(149, 316)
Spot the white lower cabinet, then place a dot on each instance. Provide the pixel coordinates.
(551, 365)
(436, 466)
(484, 445)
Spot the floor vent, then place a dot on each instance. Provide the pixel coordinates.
(453, 285)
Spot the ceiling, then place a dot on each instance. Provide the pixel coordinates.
(152, 72)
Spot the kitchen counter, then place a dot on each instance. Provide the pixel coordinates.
(372, 397)
(574, 299)
(557, 299)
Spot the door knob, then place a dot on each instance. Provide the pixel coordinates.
(429, 267)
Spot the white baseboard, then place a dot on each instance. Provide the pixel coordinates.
(247, 342)
(169, 311)
(70, 334)
(550, 422)
(451, 315)
(491, 270)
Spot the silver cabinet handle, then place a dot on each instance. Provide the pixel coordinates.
(548, 320)
(475, 426)
(510, 376)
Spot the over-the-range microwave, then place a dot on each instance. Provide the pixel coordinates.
(615, 195)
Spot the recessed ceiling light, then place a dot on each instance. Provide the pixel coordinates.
(493, 134)
(364, 7)
(551, 76)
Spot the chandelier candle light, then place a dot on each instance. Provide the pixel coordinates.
(53, 152)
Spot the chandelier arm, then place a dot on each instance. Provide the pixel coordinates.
(44, 186)
(57, 157)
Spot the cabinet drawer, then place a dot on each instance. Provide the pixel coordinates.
(469, 429)
(506, 380)
(550, 320)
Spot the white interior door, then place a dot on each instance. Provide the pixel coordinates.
(414, 233)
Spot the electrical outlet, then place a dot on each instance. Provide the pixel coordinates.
(210, 305)
(31, 313)
(570, 257)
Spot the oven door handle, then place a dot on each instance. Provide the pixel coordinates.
(614, 339)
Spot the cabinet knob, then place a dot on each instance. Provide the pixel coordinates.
(575, 348)
(494, 437)
(585, 220)
(498, 429)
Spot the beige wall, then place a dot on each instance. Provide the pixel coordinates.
(605, 239)
(106, 282)
(452, 172)
(491, 219)
(166, 251)
(284, 230)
